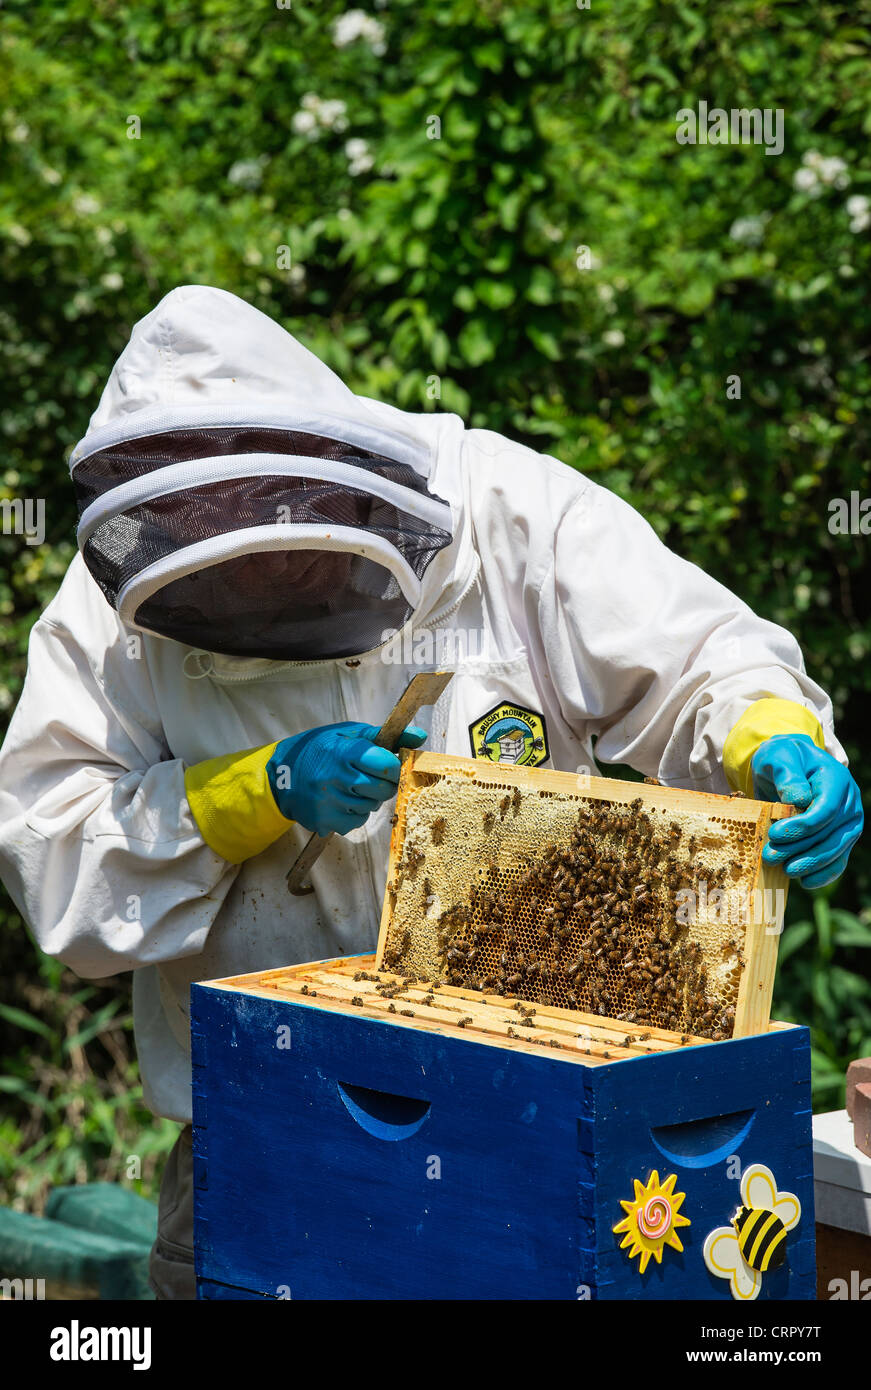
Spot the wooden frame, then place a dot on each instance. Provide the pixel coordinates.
(766, 887)
(350, 985)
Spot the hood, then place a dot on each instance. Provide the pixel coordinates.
(204, 361)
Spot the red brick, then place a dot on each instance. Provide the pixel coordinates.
(857, 1071)
(862, 1117)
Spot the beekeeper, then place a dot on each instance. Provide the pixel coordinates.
(257, 544)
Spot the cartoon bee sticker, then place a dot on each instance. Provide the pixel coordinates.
(755, 1242)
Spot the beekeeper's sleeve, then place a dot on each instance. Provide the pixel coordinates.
(98, 846)
(655, 658)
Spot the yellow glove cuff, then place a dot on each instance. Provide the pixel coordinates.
(232, 803)
(763, 720)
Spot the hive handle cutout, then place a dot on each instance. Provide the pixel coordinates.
(382, 1114)
(699, 1143)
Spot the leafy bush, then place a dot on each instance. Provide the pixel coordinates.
(408, 193)
(72, 1102)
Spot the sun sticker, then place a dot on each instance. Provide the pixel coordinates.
(755, 1242)
(652, 1219)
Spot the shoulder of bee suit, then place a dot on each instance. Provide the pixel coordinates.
(82, 635)
(517, 497)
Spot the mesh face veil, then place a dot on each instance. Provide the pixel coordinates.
(261, 541)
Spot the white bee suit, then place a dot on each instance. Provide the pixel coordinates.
(568, 603)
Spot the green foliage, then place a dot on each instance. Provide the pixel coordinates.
(823, 971)
(445, 273)
(71, 1101)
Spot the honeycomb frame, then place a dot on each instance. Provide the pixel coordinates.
(471, 838)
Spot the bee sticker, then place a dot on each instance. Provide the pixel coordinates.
(755, 1242)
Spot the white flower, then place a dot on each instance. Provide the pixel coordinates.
(51, 176)
(613, 337)
(317, 114)
(356, 24)
(343, 214)
(859, 209)
(748, 231)
(360, 160)
(304, 123)
(605, 293)
(112, 280)
(812, 158)
(296, 274)
(806, 181)
(103, 235)
(85, 203)
(332, 115)
(19, 133)
(247, 173)
(834, 171)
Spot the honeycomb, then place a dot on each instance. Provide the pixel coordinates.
(572, 900)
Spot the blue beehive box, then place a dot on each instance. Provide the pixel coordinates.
(344, 1150)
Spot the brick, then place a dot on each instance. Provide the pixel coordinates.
(857, 1071)
(862, 1117)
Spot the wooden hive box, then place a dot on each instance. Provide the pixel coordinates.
(436, 1126)
(354, 1141)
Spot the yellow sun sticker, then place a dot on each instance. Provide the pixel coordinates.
(510, 734)
(652, 1219)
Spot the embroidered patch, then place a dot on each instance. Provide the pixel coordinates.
(509, 734)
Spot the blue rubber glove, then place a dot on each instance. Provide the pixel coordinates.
(332, 778)
(813, 847)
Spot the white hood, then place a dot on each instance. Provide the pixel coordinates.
(205, 358)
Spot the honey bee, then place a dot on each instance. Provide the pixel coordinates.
(437, 829)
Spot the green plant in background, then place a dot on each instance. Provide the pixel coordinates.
(71, 1100)
(824, 969)
(479, 206)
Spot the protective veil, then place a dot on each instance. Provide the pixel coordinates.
(569, 626)
(255, 532)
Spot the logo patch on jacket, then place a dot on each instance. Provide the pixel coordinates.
(509, 734)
